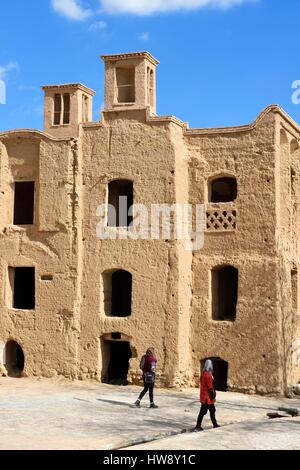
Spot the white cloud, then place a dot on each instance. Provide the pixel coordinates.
(144, 36)
(146, 7)
(4, 69)
(98, 26)
(71, 9)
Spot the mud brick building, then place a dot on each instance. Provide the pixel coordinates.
(87, 308)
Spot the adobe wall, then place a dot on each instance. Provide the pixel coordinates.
(126, 147)
(184, 258)
(48, 334)
(250, 344)
(288, 249)
(295, 183)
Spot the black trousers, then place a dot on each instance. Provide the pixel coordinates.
(147, 387)
(203, 410)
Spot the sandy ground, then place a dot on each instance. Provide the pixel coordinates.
(59, 414)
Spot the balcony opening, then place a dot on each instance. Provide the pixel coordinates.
(24, 203)
(224, 288)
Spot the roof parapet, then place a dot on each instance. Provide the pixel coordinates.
(130, 55)
(68, 86)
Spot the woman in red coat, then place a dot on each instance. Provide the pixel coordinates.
(207, 396)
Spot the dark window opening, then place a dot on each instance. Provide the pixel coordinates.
(57, 110)
(223, 190)
(224, 293)
(125, 78)
(115, 360)
(24, 203)
(66, 98)
(14, 359)
(120, 199)
(117, 290)
(220, 372)
(23, 287)
(121, 284)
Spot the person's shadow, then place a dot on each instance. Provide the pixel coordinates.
(119, 403)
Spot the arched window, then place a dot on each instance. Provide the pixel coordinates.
(224, 287)
(117, 290)
(120, 199)
(222, 189)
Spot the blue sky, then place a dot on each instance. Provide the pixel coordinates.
(222, 61)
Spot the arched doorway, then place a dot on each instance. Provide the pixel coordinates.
(220, 372)
(14, 359)
(116, 353)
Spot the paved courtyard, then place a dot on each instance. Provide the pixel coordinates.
(59, 414)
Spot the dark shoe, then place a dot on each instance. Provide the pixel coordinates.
(152, 405)
(217, 426)
(137, 404)
(198, 429)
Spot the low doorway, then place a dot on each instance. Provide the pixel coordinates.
(116, 354)
(14, 359)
